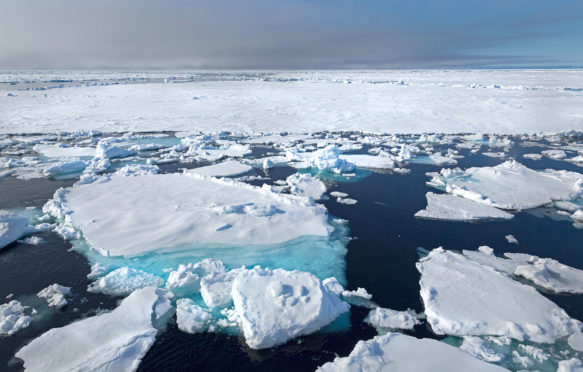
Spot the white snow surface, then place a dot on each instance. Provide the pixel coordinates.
(455, 208)
(129, 216)
(229, 168)
(12, 227)
(306, 185)
(13, 318)
(216, 288)
(510, 185)
(401, 353)
(464, 298)
(115, 341)
(274, 306)
(55, 295)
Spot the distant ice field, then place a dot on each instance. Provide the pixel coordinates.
(392, 101)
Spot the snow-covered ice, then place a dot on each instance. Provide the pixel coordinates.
(114, 341)
(328, 158)
(190, 317)
(464, 298)
(571, 365)
(398, 352)
(382, 318)
(12, 227)
(510, 185)
(13, 318)
(455, 208)
(511, 239)
(229, 168)
(303, 184)
(186, 278)
(124, 281)
(63, 151)
(55, 295)
(274, 306)
(216, 288)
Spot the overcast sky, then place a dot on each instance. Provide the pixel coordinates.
(274, 34)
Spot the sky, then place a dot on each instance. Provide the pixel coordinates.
(290, 34)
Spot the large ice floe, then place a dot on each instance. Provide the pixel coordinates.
(114, 341)
(274, 306)
(455, 208)
(12, 227)
(509, 185)
(129, 216)
(463, 297)
(398, 352)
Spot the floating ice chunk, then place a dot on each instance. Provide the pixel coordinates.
(533, 156)
(115, 341)
(106, 150)
(576, 341)
(64, 151)
(338, 194)
(478, 348)
(12, 227)
(229, 168)
(571, 365)
(55, 295)
(199, 149)
(465, 298)
(369, 161)
(97, 270)
(499, 155)
(276, 306)
(347, 201)
(511, 239)
(359, 292)
(216, 288)
(13, 318)
(439, 159)
(407, 152)
(137, 170)
(485, 256)
(66, 167)
(167, 211)
(268, 163)
(455, 208)
(510, 185)
(552, 275)
(555, 154)
(402, 170)
(306, 185)
(398, 352)
(383, 319)
(333, 285)
(124, 281)
(190, 317)
(187, 277)
(33, 240)
(327, 158)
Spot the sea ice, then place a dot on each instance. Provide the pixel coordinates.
(327, 158)
(190, 317)
(555, 154)
(533, 156)
(115, 341)
(12, 227)
(306, 185)
(369, 161)
(129, 216)
(13, 318)
(576, 341)
(216, 288)
(274, 306)
(55, 295)
(383, 319)
(454, 208)
(509, 185)
(229, 168)
(511, 239)
(124, 281)
(478, 347)
(64, 151)
(398, 352)
(187, 277)
(464, 298)
(347, 201)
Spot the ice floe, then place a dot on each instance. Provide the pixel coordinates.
(398, 352)
(55, 294)
(216, 287)
(570, 365)
(229, 168)
(369, 161)
(124, 281)
(12, 227)
(13, 318)
(190, 317)
(64, 151)
(509, 185)
(385, 319)
(114, 341)
(187, 277)
(327, 158)
(455, 208)
(274, 306)
(303, 184)
(464, 298)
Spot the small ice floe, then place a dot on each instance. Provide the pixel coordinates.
(274, 306)
(55, 295)
(498, 155)
(114, 341)
(137, 170)
(511, 239)
(200, 148)
(229, 168)
(190, 317)
(66, 167)
(216, 287)
(543, 272)
(532, 156)
(554, 154)
(306, 185)
(12, 227)
(124, 281)
(347, 201)
(465, 298)
(369, 161)
(454, 208)
(401, 170)
(97, 270)
(479, 348)
(509, 185)
(448, 159)
(107, 150)
(187, 277)
(398, 352)
(166, 211)
(406, 152)
(324, 159)
(385, 319)
(33, 240)
(13, 318)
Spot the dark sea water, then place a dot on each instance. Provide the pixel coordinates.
(381, 258)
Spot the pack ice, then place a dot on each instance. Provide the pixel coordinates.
(129, 216)
(274, 306)
(115, 341)
(398, 352)
(509, 185)
(463, 297)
